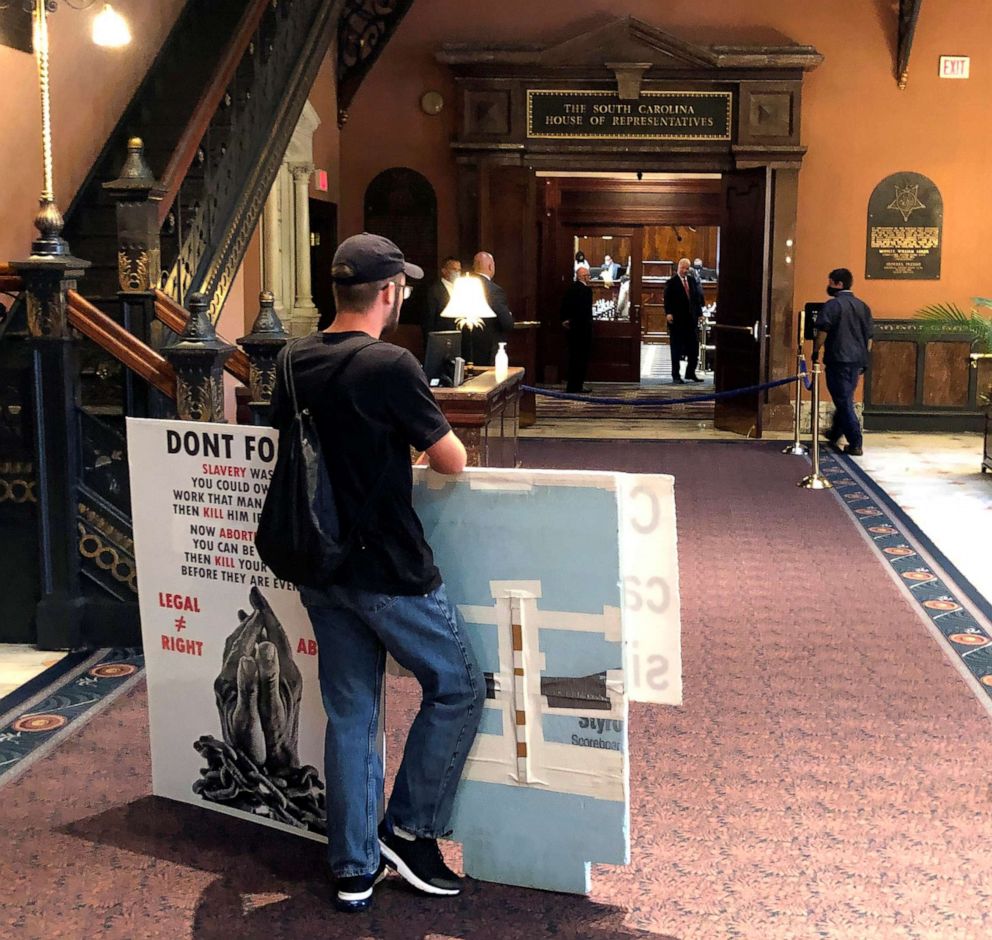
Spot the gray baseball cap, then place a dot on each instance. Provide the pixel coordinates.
(366, 258)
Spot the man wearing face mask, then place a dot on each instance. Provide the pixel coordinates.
(371, 403)
(844, 330)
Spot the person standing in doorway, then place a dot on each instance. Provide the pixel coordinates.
(576, 318)
(844, 330)
(371, 403)
(485, 340)
(684, 312)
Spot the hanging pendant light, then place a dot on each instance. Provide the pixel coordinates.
(110, 28)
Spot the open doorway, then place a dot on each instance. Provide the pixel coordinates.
(622, 289)
(646, 222)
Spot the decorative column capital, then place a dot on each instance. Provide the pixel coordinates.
(301, 173)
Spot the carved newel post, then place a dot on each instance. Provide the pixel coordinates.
(262, 345)
(199, 359)
(138, 196)
(48, 275)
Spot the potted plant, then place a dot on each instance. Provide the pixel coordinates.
(978, 323)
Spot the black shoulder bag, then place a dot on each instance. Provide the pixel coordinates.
(299, 532)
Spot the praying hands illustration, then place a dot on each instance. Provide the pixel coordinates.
(259, 690)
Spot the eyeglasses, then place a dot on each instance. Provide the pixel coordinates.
(406, 288)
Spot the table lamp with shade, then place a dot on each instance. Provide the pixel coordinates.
(468, 306)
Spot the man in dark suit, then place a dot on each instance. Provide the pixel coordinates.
(576, 317)
(438, 295)
(484, 341)
(684, 312)
(844, 327)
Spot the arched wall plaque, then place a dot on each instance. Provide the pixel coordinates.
(905, 229)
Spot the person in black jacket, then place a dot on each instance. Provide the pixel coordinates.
(844, 327)
(484, 341)
(576, 317)
(684, 312)
(438, 295)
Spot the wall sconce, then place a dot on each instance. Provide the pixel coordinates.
(109, 29)
(468, 306)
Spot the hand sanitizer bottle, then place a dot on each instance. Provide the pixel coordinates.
(502, 363)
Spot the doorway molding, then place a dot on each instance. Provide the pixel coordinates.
(497, 156)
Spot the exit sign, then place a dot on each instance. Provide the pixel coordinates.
(954, 66)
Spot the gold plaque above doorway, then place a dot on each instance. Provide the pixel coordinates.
(654, 115)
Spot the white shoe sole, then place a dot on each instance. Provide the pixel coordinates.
(408, 875)
(352, 896)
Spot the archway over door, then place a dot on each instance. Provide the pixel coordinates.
(629, 97)
(400, 203)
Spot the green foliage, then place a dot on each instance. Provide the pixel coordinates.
(939, 318)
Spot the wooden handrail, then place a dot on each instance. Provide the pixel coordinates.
(185, 152)
(10, 280)
(175, 317)
(123, 345)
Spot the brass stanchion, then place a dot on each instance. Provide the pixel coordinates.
(797, 447)
(815, 480)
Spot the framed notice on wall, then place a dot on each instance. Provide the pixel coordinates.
(905, 229)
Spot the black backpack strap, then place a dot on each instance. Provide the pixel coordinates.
(287, 366)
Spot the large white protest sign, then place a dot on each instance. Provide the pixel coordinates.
(568, 585)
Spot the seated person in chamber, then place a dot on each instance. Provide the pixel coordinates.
(580, 262)
(610, 270)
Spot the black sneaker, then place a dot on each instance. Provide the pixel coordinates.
(693, 378)
(419, 861)
(354, 894)
(852, 451)
(677, 381)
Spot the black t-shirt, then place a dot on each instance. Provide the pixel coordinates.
(848, 323)
(368, 416)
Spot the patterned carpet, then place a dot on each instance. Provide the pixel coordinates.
(824, 779)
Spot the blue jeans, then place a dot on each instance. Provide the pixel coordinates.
(426, 634)
(842, 380)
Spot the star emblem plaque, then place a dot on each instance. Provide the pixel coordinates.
(905, 229)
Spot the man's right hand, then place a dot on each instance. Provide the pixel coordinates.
(669, 318)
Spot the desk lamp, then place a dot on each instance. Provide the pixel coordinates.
(468, 306)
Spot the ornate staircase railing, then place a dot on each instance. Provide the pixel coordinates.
(232, 147)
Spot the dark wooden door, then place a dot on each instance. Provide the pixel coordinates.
(742, 308)
(508, 231)
(616, 332)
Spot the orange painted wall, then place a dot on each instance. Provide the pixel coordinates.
(857, 125)
(91, 86)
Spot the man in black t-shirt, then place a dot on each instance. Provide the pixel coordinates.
(844, 329)
(388, 595)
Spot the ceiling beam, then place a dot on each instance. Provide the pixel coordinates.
(909, 13)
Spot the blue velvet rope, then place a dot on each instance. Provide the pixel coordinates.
(596, 400)
(804, 374)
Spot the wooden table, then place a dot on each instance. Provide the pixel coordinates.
(485, 414)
